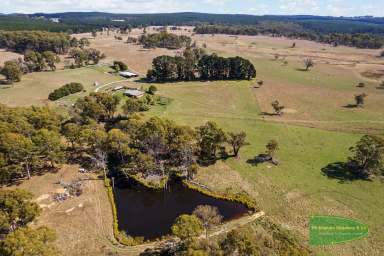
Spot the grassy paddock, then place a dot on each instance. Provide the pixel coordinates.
(34, 88)
(297, 188)
(250, 203)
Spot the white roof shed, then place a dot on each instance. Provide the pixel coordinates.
(128, 74)
(134, 93)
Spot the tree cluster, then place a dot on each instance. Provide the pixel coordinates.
(147, 147)
(12, 71)
(368, 157)
(164, 40)
(81, 43)
(132, 40)
(30, 142)
(36, 61)
(39, 41)
(65, 90)
(213, 67)
(37, 58)
(84, 57)
(16, 211)
(260, 238)
(33, 62)
(195, 64)
(133, 105)
(119, 66)
(97, 106)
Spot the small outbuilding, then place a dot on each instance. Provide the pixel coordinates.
(127, 74)
(134, 93)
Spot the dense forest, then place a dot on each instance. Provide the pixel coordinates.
(81, 22)
(362, 32)
(195, 64)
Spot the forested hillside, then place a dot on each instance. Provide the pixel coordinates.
(80, 22)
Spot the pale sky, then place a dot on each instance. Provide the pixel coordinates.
(257, 7)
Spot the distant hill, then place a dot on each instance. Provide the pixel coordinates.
(86, 21)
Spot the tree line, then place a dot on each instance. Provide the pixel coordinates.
(65, 90)
(84, 57)
(295, 31)
(355, 40)
(194, 64)
(164, 40)
(40, 41)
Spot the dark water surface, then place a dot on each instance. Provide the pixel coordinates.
(150, 214)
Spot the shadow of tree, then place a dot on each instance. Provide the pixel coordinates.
(206, 162)
(268, 114)
(342, 172)
(350, 106)
(261, 158)
(254, 161)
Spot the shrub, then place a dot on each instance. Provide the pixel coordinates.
(152, 89)
(308, 63)
(361, 85)
(119, 66)
(132, 40)
(65, 90)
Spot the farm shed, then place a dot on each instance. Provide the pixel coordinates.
(134, 93)
(127, 74)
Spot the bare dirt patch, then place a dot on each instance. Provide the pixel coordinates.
(135, 56)
(6, 55)
(289, 111)
(83, 224)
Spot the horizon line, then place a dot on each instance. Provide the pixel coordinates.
(191, 12)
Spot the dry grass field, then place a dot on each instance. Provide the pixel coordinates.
(316, 130)
(35, 87)
(84, 223)
(317, 98)
(5, 56)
